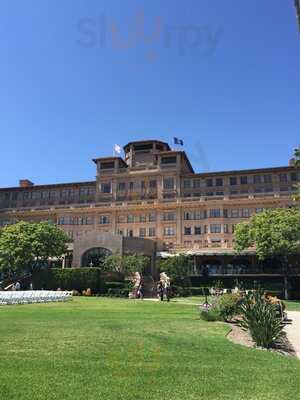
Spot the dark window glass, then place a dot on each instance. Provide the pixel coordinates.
(244, 180)
(168, 160)
(233, 181)
(219, 182)
(107, 165)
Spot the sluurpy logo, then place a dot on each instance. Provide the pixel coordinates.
(104, 31)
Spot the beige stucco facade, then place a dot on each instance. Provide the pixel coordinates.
(152, 193)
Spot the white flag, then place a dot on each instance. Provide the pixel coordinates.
(117, 148)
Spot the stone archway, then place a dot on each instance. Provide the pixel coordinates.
(95, 240)
(94, 257)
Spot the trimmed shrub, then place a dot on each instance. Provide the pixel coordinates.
(209, 312)
(229, 305)
(68, 279)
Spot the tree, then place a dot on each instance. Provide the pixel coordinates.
(275, 234)
(297, 165)
(113, 263)
(24, 245)
(177, 266)
(126, 264)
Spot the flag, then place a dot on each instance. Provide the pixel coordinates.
(178, 141)
(117, 149)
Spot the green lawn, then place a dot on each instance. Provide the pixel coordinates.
(93, 348)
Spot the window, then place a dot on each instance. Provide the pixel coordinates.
(105, 187)
(197, 230)
(152, 232)
(284, 189)
(257, 179)
(209, 182)
(169, 231)
(283, 178)
(226, 228)
(197, 183)
(169, 216)
(197, 215)
(130, 218)
(104, 220)
(215, 228)
(168, 160)
(268, 178)
(142, 232)
(188, 216)
(209, 194)
(129, 233)
(215, 213)
(152, 184)
(233, 181)
(187, 184)
(219, 182)
(142, 218)
(121, 186)
(61, 221)
(152, 217)
(234, 213)
(169, 183)
(219, 193)
(187, 230)
(225, 213)
(244, 180)
(245, 212)
(294, 177)
(107, 165)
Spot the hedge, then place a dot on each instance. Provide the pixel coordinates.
(68, 279)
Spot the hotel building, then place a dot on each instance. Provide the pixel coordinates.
(151, 201)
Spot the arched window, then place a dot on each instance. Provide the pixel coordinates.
(95, 257)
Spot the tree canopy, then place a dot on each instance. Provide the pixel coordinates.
(177, 266)
(126, 264)
(274, 233)
(297, 165)
(24, 245)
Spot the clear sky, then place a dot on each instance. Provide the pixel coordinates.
(77, 76)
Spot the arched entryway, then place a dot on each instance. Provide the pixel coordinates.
(94, 257)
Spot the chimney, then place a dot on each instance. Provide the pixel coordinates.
(25, 183)
(292, 162)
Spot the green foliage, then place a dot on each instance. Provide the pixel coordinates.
(229, 305)
(68, 279)
(126, 264)
(24, 245)
(176, 267)
(132, 263)
(113, 263)
(210, 313)
(274, 233)
(260, 317)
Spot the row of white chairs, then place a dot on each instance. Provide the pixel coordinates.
(33, 296)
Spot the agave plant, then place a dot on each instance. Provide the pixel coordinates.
(260, 317)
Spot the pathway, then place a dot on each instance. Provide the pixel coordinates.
(293, 331)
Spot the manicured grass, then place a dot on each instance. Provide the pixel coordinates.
(292, 305)
(93, 348)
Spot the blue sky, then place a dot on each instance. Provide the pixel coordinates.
(78, 76)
